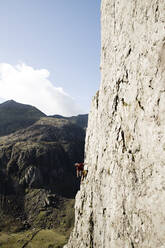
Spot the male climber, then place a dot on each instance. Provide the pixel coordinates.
(79, 168)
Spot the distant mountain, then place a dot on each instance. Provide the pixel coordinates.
(80, 120)
(14, 116)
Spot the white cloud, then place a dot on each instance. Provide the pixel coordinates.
(27, 85)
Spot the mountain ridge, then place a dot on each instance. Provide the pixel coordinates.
(14, 116)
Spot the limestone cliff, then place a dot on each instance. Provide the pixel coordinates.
(121, 201)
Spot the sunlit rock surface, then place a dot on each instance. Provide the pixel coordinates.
(121, 201)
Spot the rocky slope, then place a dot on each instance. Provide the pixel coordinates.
(121, 201)
(80, 120)
(37, 178)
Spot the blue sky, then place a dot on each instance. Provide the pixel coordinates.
(57, 41)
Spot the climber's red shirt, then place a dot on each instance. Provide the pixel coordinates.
(79, 166)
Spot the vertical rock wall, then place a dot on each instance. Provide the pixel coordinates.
(121, 203)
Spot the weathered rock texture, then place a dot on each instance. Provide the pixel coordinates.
(122, 200)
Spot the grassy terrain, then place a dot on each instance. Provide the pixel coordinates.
(13, 236)
(33, 239)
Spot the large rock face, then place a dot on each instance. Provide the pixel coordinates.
(121, 201)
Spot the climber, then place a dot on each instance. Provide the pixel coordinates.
(79, 168)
